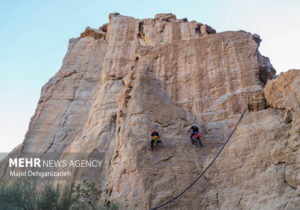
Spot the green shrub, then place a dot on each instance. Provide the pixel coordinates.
(17, 196)
(49, 198)
(86, 195)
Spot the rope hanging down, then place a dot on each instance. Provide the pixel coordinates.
(209, 165)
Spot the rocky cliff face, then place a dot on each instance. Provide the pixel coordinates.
(119, 82)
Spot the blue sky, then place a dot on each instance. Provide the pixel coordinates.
(34, 37)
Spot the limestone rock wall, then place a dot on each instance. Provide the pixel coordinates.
(284, 91)
(129, 77)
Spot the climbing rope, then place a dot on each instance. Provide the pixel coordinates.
(209, 165)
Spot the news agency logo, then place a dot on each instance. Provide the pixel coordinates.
(55, 165)
(39, 163)
(25, 162)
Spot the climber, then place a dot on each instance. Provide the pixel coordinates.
(195, 133)
(155, 139)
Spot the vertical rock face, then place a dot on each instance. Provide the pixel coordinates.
(119, 82)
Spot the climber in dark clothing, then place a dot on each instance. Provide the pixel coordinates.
(195, 133)
(155, 139)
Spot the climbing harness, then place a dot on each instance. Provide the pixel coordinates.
(209, 165)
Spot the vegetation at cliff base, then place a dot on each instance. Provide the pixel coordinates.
(24, 196)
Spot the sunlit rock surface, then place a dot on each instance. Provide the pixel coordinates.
(131, 76)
